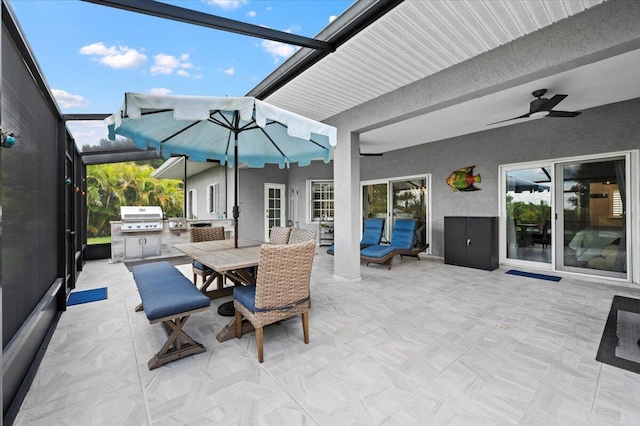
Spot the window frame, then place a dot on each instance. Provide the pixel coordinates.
(310, 201)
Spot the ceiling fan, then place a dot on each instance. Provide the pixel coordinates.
(370, 154)
(543, 107)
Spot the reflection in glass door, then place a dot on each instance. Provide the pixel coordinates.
(528, 213)
(375, 204)
(408, 200)
(594, 227)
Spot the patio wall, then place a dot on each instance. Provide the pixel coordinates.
(32, 212)
(251, 196)
(599, 130)
(201, 181)
(610, 128)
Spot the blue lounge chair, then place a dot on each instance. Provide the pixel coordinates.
(402, 243)
(371, 235)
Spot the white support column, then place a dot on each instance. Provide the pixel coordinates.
(346, 177)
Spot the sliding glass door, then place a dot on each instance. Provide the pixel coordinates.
(375, 203)
(528, 213)
(593, 217)
(408, 201)
(403, 198)
(569, 215)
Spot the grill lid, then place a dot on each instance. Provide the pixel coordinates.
(140, 213)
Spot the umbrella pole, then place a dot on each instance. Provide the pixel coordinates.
(236, 209)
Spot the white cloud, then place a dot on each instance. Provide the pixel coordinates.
(68, 100)
(87, 132)
(120, 57)
(160, 91)
(227, 4)
(168, 64)
(229, 71)
(278, 50)
(251, 14)
(332, 18)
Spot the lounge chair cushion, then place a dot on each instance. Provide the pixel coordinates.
(372, 232)
(403, 234)
(377, 251)
(246, 295)
(371, 235)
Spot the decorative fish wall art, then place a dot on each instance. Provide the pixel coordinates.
(463, 180)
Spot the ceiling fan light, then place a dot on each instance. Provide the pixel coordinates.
(539, 114)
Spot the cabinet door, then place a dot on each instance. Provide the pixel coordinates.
(151, 245)
(455, 240)
(132, 247)
(480, 236)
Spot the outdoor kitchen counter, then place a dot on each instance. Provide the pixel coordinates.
(155, 243)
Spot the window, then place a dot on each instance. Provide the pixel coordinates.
(617, 207)
(212, 199)
(192, 204)
(320, 200)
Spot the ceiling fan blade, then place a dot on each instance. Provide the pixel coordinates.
(515, 118)
(563, 113)
(548, 106)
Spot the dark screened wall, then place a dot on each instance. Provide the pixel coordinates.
(29, 193)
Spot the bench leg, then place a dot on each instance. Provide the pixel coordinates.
(139, 308)
(175, 348)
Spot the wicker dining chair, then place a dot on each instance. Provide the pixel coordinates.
(198, 235)
(279, 235)
(301, 236)
(281, 290)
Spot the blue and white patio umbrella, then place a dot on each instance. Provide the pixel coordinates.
(225, 129)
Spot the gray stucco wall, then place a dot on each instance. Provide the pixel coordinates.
(251, 195)
(610, 128)
(201, 181)
(298, 177)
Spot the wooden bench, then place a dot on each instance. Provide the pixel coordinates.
(170, 298)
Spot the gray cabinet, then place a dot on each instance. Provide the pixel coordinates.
(141, 246)
(471, 241)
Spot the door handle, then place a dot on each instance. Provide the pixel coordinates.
(69, 232)
(468, 242)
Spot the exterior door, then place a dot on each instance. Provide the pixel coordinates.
(527, 208)
(274, 205)
(592, 217)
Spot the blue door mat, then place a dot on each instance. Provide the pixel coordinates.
(532, 275)
(86, 296)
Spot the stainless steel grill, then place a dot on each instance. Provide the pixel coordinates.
(141, 218)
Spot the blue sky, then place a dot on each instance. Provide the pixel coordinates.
(91, 55)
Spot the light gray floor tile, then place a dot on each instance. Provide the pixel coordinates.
(424, 343)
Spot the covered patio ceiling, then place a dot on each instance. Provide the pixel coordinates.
(386, 45)
(421, 40)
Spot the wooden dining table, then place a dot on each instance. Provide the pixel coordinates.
(227, 262)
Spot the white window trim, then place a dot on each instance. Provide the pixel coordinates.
(192, 207)
(309, 213)
(213, 198)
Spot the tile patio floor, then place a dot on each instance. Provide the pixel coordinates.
(424, 343)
